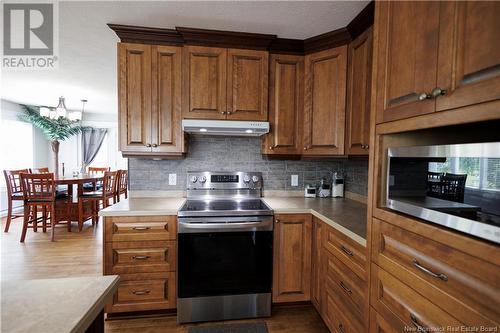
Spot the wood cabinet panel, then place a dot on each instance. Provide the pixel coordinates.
(247, 84)
(286, 105)
(359, 94)
(337, 318)
(352, 254)
(378, 324)
(292, 258)
(134, 94)
(204, 82)
(325, 94)
(408, 35)
(140, 257)
(469, 53)
(142, 292)
(138, 228)
(166, 128)
(460, 283)
(391, 297)
(317, 275)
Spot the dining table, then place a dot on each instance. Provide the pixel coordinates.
(67, 207)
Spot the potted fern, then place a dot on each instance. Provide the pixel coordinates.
(55, 129)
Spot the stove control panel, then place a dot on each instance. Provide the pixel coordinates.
(224, 180)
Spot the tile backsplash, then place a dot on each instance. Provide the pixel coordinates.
(211, 153)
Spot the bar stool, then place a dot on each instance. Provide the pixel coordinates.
(14, 192)
(107, 192)
(39, 190)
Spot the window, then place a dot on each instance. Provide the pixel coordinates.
(482, 173)
(18, 155)
(102, 158)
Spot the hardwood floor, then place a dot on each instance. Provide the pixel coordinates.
(80, 254)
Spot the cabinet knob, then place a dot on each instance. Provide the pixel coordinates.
(148, 145)
(305, 148)
(277, 221)
(223, 112)
(424, 96)
(228, 112)
(271, 147)
(438, 92)
(155, 145)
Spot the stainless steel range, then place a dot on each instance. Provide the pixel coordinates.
(225, 240)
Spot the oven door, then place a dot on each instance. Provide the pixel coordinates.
(224, 256)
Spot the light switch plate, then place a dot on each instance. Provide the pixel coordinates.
(295, 180)
(172, 179)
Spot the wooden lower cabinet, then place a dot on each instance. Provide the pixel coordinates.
(143, 251)
(317, 279)
(292, 258)
(379, 324)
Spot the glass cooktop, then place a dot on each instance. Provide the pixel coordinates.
(224, 208)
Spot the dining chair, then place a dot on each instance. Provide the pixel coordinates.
(39, 191)
(98, 169)
(107, 192)
(121, 184)
(40, 170)
(14, 193)
(94, 186)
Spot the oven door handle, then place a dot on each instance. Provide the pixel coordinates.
(204, 227)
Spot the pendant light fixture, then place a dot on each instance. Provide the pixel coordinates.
(61, 110)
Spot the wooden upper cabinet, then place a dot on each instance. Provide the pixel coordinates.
(324, 122)
(292, 258)
(408, 34)
(286, 91)
(204, 80)
(359, 94)
(469, 54)
(134, 95)
(247, 83)
(166, 128)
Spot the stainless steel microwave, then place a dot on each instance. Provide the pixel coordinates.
(456, 186)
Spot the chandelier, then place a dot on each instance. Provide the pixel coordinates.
(61, 111)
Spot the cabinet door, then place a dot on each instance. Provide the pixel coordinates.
(134, 95)
(359, 79)
(286, 105)
(247, 83)
(292, 258)
(469, 54)
(204, 82)
(317, 272)
(325, 102)
(167, 136)
(408, 33)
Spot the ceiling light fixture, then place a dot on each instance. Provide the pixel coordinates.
(61, 110)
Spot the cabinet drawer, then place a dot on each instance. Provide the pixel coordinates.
(347, 285)
(390, 296)
(144, 292)
(137, 228)
(378, 324)
(337, 318)
(352, 254)
(137, 257)
(459, 283)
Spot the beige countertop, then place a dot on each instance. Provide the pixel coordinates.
(55, 305)
(346, 215)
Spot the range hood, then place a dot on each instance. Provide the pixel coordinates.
(225, 127)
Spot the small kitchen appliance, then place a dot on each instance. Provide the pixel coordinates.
(337, 186)
(325, 189)
(310, 191)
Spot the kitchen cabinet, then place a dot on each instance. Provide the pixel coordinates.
(247, 84)
(317, 264)
(359, 70)
(224, 83)
(292, 258)
(204, 79)
(149, 93)
(286, 106)
(143, 251)
(325, 93)
(450, 61)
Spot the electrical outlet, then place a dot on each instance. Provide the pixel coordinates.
(295, 180)
(172, 179)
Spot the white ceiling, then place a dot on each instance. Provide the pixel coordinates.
(87, 47)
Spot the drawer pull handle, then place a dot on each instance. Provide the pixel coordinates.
(347, 289)
(347, 251)
(417, 325)
(341, 328)
(141, 228)
(141, 292)
(141, 257)
(440, 276)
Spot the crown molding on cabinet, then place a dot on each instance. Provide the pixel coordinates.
(247, 40)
